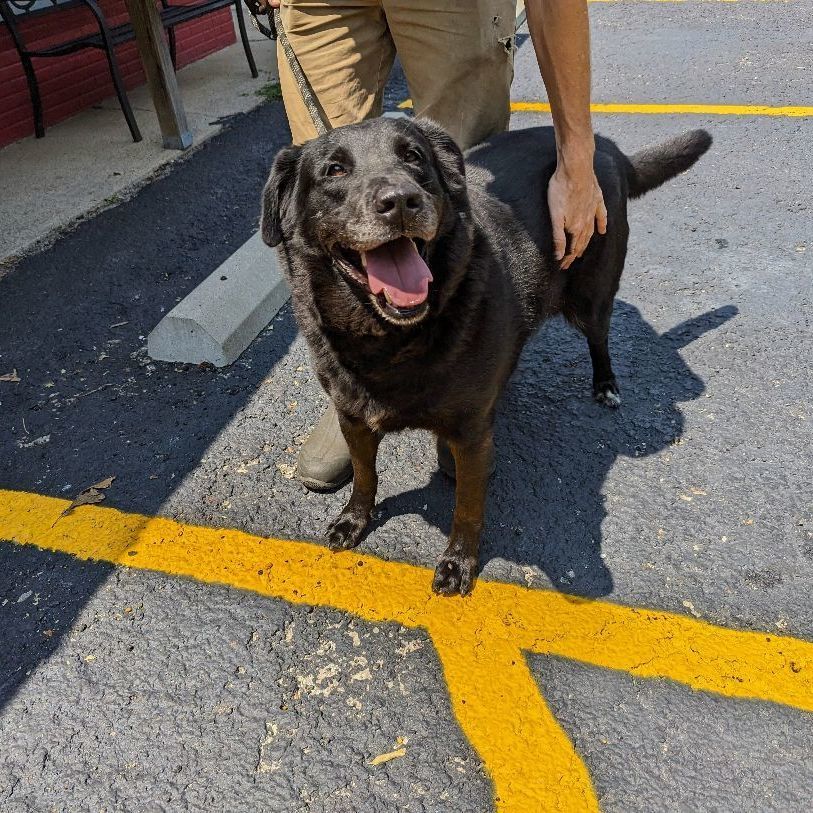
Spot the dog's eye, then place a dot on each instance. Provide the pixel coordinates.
(413, 156)
(336, 171)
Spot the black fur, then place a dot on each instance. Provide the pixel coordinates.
(488, 243)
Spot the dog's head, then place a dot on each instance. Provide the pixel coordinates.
(370, 204)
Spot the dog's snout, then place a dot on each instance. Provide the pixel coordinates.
(396, 202)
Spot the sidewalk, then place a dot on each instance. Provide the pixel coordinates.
(89, 162)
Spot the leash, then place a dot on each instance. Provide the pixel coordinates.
(276, 30)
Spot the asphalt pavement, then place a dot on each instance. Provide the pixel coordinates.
(123, 688)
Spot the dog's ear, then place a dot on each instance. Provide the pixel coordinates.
(448, 157)
(278, 196)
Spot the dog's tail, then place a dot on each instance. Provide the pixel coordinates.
(653, 166)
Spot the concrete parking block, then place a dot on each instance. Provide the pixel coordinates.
(220, 318)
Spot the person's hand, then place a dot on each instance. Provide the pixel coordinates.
(576, 209)
(268, 4)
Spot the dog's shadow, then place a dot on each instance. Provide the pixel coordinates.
(555, 446)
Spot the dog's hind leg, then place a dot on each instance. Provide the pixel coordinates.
(595, 324)
(346, 530)
(605, 386)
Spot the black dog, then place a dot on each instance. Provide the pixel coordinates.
(417, 280)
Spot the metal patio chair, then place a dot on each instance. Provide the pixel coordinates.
(106, 39)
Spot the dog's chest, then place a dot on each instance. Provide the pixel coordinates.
(388, 403)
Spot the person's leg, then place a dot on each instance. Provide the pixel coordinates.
(346, 53)
(458, 62)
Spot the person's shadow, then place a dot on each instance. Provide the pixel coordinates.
(555, 446)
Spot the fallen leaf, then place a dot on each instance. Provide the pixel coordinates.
(12, 377)
(89, 496)
(382, 758)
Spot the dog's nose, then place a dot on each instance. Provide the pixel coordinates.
(396, 203)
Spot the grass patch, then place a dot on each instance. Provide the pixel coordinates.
(270, 91)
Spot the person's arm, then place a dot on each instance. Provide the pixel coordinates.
(560, 33)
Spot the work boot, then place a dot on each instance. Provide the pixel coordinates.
(324, 459)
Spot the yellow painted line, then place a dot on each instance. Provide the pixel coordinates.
(688, 2)
(668, 109)
(480, 640)
(677, 109)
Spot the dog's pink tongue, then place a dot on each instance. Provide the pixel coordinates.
(397, 269)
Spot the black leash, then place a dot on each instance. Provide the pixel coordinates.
(255, 11)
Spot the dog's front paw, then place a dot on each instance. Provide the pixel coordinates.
(454, 574)
(346, 530)
(607, 394)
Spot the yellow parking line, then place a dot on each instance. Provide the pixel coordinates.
(677, 109)
(689, 2)
(480, 640)
(668, 109)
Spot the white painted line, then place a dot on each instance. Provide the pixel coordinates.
(217, 321)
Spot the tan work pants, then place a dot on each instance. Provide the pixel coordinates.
(457, 56)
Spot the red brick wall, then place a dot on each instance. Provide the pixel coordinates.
(72, 83)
